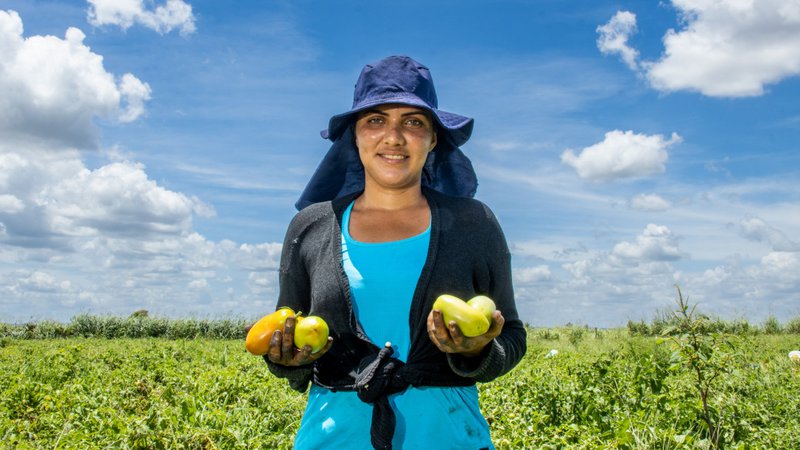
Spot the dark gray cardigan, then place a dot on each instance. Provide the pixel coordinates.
(467, 256)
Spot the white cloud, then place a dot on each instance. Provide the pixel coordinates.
(614, 37)
(198, 284)
(705, 254)
(621, 155)
(731, 48)
(504, 146)
(527, 275)
(114, 240)
(116, 198)
(177, 275)
(635, 280)
(600, 290)
(607, 267)
(53, 88)
(10, 204)
(655, 243)
(758, 230)
(47, 199)
(781, 262)
(111, 238)
(649, 202)
(126, 13)
(43, 282)
(134, 94)
(259, 257)
(770, 286)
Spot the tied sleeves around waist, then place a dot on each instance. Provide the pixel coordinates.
(376, 380)
(378, 376)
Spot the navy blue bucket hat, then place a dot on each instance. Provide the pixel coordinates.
(399, 79)
(395, 80)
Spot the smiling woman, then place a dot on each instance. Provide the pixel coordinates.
(393, 144)
(386, 225)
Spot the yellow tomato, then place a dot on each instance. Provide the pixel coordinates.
(258, 337)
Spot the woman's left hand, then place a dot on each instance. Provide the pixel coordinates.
(449, 339)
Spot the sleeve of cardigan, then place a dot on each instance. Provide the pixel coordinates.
(295, 293)
(507, 349)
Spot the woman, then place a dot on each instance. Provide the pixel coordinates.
(386, 225)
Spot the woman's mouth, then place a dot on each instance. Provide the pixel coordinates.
(393, 157)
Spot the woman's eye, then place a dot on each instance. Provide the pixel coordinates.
(375, 120)
(415, 123)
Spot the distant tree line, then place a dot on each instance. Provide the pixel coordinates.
(668, 324)
(138, 325)
(141, 325)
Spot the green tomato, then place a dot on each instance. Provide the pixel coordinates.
(311, 330)
(483, 304)
(471, 321)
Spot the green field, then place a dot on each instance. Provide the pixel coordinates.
(603, 389)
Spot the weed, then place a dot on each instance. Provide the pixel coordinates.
(706, 355)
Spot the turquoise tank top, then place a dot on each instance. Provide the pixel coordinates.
(383, 277)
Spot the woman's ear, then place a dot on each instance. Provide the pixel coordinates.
(353, 132)
(434, 138)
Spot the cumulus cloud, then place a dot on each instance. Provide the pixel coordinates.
(53, 88)
(781, 262)
(622, 154)
(107, 238)
(598, 287)
(178, 275)
(602, 283)
(601, 289)
(527, 275)
(174, 14)
(44, 282)
(117, 198)
(260, 257)
(750, 290)
(614, 37)
(49, 198)
(655, 243)
(649, 202)
(134, 93)
(758, 230)
(723, 49)
(10, 204)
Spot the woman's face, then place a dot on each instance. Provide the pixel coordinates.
(393, 143)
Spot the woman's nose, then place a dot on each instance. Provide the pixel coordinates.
(394, 134)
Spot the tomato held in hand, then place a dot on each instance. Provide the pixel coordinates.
(311, 331)
(258, 337)
(473, 318)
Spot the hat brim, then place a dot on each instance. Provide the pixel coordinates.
(456, 128)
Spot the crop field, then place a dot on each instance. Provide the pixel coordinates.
(576, 388)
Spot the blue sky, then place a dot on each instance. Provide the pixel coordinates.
(151, 151)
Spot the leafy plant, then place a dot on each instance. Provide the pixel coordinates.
(793, 326)
(576, 334)
(706, 355)
(772, 325)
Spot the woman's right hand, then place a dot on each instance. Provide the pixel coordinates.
(282, 350)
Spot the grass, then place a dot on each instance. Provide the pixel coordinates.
(603, 389)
